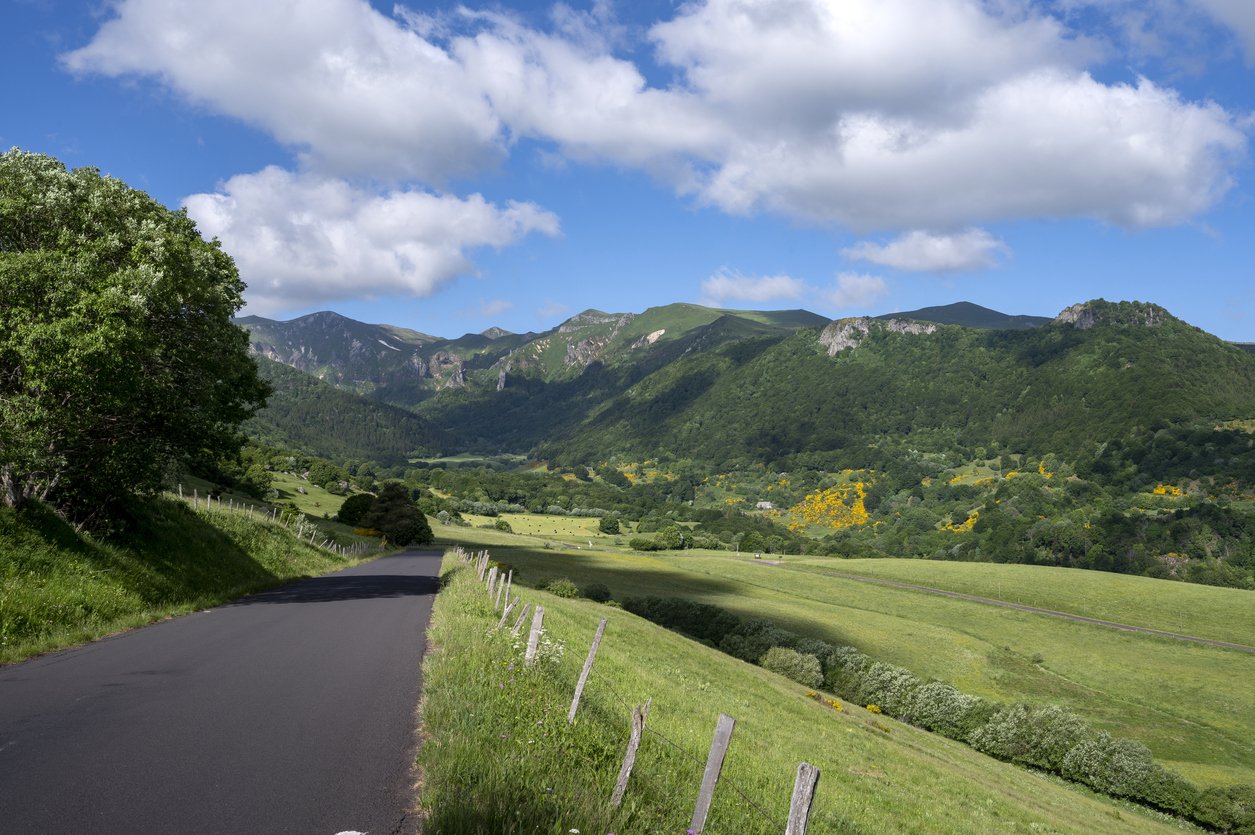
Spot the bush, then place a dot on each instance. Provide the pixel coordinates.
(355, 507)
(1228, 809)
(1118, 767)
(944, 709)
(598, 592)
(608, 525)
(804, 669)
(644, 543)
(502, 525)
(561, 587)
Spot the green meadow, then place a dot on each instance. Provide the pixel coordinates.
(499, 756)
(1193, 705)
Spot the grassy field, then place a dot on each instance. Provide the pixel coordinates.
(59, 588)
(499, 757)
(1203, 611)
(572, 529)
(1192, 705)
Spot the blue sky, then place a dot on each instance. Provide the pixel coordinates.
(450, 168)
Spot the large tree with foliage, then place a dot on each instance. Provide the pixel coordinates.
(118, 355)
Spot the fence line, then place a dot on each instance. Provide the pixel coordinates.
(795, 821)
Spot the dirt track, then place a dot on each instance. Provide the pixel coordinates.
(1006, 605)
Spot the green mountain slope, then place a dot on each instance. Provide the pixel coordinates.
(971, 316)
(841, 396)
(309, 415)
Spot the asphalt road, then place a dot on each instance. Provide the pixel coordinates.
(293, 710)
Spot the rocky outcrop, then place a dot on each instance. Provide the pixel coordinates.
(446, 369)
(585, 351)
(649, 339)
(850, 333)
(1099, 312)
(593, 317)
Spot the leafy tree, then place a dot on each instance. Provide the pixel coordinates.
(355, 507)
(118, 356)
(608, 525)
(394, 513)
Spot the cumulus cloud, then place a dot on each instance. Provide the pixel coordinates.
(1238, 15)
(866, 114)
(856, 290)
(358, 92)
(300, 239)
(920, 251)
(730, 286)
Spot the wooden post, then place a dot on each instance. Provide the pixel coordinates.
(533, 639)
(180, 491)
(505, 613)
(803, 797)
(629, 759)
(714, 765)
(501, 587)
(508, 578)
(588, 667)
(518, 624)
(492, 580)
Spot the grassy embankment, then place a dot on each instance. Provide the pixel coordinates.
(59, 588)
(500, 758)
(1191, 704)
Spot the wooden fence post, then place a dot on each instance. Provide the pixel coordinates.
(588, 666)
(803, 797)
(533, 639)
(508, 578)
(501, 587)
(492, 581)
(629, 759)
(714, 765)
(505, 613)
(518, 624)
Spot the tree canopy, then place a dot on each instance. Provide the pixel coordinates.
(118, 355)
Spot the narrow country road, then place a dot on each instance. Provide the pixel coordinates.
(288, 711)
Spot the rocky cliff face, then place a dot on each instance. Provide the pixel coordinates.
(850, 333)
(1099, 312)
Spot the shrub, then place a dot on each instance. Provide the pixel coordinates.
(943, 708)
(608, 525)
(1229, 809)
(644, 543)
(561, 587)
(598, 592)
(1118, 767)
(355, 507)
(893, 688)
(503, 525)
(804, 669)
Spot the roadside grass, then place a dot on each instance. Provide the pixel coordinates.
(499, 757)
(59, 588)
(1191, 704)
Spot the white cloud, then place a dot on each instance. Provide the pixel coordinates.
(299, 239)
(358, 92)
(730, 286)
(867, 114)
(1238, 15)
(856, 290)
(920, 251)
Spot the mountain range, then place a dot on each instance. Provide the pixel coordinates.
(742, 387)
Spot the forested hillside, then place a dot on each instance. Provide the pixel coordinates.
(307, 415)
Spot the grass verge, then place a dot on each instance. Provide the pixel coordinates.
(59, 588)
